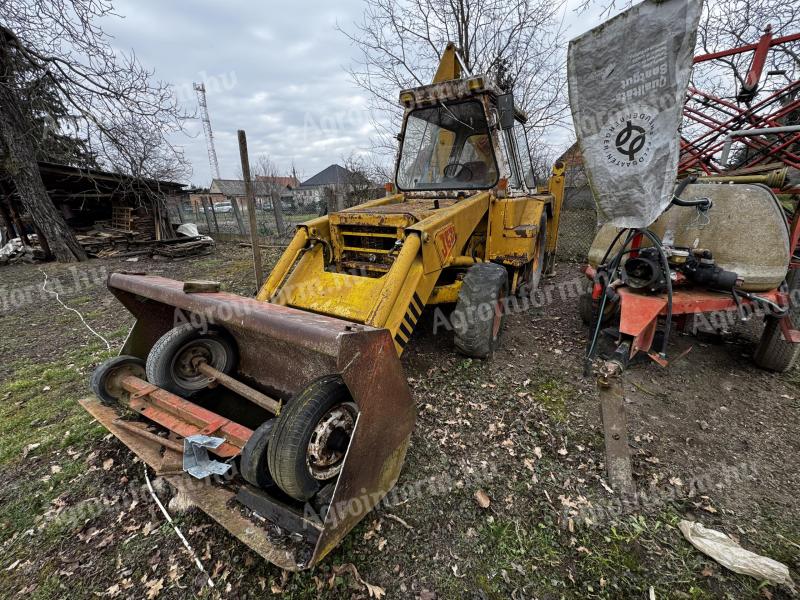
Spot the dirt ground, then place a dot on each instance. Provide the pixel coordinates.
(714, 439)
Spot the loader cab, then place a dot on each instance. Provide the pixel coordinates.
(462, 136)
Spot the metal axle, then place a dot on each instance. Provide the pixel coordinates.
(256, 397)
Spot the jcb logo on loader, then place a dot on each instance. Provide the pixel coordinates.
(445, 239)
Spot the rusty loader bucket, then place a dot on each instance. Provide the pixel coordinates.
(285, 361)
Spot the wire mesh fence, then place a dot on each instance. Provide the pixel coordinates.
(226, 220)
(576, 232)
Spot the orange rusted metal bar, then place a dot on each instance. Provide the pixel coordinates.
(183, 417)
(140, 429)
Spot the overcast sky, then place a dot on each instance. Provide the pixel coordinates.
(274, 70)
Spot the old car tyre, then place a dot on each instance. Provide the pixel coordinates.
(311, 436)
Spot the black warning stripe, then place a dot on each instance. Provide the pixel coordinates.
(399, 340)
(416, 305)
(406, 329)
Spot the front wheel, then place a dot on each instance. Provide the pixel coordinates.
(311, 436)
(481, 310)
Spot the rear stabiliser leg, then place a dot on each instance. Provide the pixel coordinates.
(615, 426)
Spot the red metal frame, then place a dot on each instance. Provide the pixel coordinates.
(183, 417)
(639, 313)
(711, 118)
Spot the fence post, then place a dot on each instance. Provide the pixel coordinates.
(214, 214)
(277, 208)
(251, 208)
(206, 210)
(238, 213)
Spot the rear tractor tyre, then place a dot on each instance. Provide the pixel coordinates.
(171, 364)
(311, 436)
(773, 352)
(587, 305)
(481, 310)
(105, 381)
(253, 460)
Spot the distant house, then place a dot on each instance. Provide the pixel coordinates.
(284, 187)
(228, 190)
(334, 186)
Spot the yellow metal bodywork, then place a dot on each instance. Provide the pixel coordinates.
(449, 67)
(403, 247)
(380, 263)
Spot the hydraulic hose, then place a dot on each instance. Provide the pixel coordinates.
(701, 203)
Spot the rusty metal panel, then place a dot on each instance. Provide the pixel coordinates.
(285, 349)
(280, 348)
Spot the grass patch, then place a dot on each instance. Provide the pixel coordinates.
(40, 406)
(552, 395)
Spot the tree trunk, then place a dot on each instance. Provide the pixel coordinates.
(23, 170)
(60, 238)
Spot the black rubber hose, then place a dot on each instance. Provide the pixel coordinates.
(702, 203)
(590, 350)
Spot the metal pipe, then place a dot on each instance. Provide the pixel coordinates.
(256, 397)
(726, 148)
(464, 261)
(773, 179)
(167, 443)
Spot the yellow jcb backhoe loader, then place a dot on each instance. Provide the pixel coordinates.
(293, 404)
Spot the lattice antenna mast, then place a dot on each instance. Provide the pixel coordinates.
(200, 88)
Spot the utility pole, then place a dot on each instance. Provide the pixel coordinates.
(200, 88)
(251, 209)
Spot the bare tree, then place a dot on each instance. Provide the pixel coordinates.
(268, 177)
(519, 42)
(113, 103)
(358, 186)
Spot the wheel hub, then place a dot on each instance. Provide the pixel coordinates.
(187, 359)
(329, 440)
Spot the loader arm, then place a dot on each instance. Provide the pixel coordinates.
(428, 241)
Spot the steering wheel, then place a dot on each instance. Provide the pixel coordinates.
(456, 170)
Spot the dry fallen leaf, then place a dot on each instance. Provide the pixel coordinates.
(482, 498)
(154, 588)
(107, 464)
(27, 449)
(13, 565)
(374, 591)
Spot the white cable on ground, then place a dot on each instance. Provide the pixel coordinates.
(175, 527)
(89, 327)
